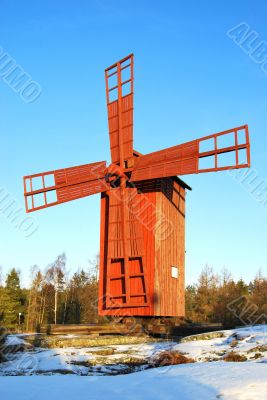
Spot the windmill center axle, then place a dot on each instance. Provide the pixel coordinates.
(115, 175)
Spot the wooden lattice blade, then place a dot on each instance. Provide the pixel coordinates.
(119, 93)
(221, 151)
(55, 187)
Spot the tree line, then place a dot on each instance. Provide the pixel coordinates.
(219, 298)
(55, 296)
(52, 297)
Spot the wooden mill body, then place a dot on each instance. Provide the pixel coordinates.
(162, 217)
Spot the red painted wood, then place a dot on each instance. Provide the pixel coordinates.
(139, 194)
(185, 159)
(170, 249)
(64, 185)
(161, 200)
(119, 93)
(126, 277)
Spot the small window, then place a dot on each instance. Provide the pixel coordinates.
(175, 272)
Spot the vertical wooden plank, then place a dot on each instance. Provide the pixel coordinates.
(170, 251)
(103, 246)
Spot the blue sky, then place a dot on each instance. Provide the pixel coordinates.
(191, 80)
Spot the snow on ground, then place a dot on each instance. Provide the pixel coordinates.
(14, 340)
(201, 380)
(83, 361)
(245, 341)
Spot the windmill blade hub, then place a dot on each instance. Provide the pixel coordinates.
(114, 174)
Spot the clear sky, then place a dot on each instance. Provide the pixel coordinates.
(191, 80)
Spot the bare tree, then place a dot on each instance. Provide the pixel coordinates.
(34, 299)
(55, 276)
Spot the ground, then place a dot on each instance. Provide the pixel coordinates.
(87, 371)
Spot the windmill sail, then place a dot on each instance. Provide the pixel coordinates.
(119, 92)
(218, 152)
(55, 187)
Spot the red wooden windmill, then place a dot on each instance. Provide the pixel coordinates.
(142, 243)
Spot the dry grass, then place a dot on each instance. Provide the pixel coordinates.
(104, 352)
(166, 358)
(234, 357)
(54, 371)
(261, 348)
(104, 361)
(85, 363)
(234, 343)
(257, 355)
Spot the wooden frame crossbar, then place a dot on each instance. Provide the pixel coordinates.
(217, 150)
(116, 70)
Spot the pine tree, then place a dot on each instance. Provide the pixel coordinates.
(12, 301)
(190, 302)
